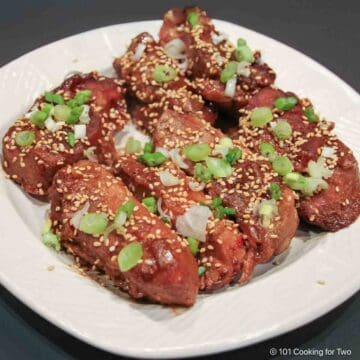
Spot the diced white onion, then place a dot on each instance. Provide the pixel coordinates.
(318, 169)
(79, 131)
(160, 210)
(243, 68)
(218, 38)
(163, 151)
(84, 117)
(89, 153)
(53, 125)
(193, 222)
(230, 87)
(75, 219)
(138, 52)
(175, 49)
(195, 186)
(177, 159)
(219, 59)
(328, 152)
(168, 179)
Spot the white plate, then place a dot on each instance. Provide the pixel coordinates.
(277, 300)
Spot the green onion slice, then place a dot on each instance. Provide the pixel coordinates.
(25, 138)
(150, 204)
(129, 256)
(132, 146)
(164, 73)
(311, 115)
(197, 152)
(282, 165)
(282, 129)
(240, 42)
(71, 138)
(51, 240)
(275, 191)
(193, 245)
(62, 112)
(53, 98)
(38, 118)
(285, 103)
(267, 150)
(228, 72)
(148, 148)
(244, 53)
(267, 210)
(260, 116)
(201, 270)
(219, 168)
(233, 155)
(127, 208)
(193, 18)
(74, 116)
(202, 173)
(93, 223)
(152, 159)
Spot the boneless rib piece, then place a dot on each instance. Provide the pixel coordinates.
(221, 250)
(78, 116)
(245, 185)
(166, 272)
(324, 170)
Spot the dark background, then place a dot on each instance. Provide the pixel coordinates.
(325, 30)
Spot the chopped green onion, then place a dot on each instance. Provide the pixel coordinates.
(51, 240)
(38, 118)
(282, 129)
(53, 98)
(220, 210)
(132, 146)
(202, 173)
(25, 138)
(201, 270)
(193, 18)
(267, 150)
(47, 226)
(148, 148)
(219, 168)
(62, 112)
(193, 245)
(228, 72)
(310, 114)
(223, 146)
(260, 116)
(197, 152)
(318, 169)
(244, 53)
(129, 256)
(295, 181)
(127, 208)
(275, 191)
(71, 138)
(285, 103)
(313, 184)
(82, 97)
(164, 73)
(282, 165)
(215, 202)
(241, 42)
(267, 210)
(93, 223)
(152, 159)
(74, 116)
(150, 204)
(233, 155)
(47, 108)
(165, 219)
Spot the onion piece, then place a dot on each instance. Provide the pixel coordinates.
(163, 151)
(53, 125)
(318, 169)
(75, 219)
(138, 52)
(195, 186)
(219, 59)
(177, 159)
(183, 65)
(168, 179)
(243, 68)
(218, 38)
(175, 49)
(328, 152)
(89, 153)
(230, 87)
(80, 131)
(160, 210)
(129, 130)
(84, 117)
(193, 222)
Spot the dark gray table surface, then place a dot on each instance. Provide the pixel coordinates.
(325, 30)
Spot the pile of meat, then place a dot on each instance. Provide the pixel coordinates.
(193, 208)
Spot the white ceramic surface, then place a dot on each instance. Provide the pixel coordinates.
(278, 299)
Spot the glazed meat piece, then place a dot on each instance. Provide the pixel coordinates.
(222, 253)
(156, 83)
(312, 148)
(246, 186)
(52, 134)
(166, 272)
(208, 53)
